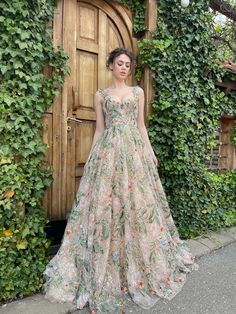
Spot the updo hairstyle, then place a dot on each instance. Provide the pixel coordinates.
(116, 53)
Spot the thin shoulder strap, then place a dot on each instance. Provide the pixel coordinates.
(102, 92)
(136, 90)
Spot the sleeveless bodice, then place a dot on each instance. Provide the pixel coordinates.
(120, 112)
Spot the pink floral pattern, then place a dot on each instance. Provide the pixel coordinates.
(120, 241)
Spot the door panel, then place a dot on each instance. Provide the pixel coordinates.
(87, 65)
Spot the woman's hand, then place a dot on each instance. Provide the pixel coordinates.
(155, 160)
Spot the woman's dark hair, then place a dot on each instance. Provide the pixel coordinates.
(116, 53)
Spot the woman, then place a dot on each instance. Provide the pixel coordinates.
(120, 241)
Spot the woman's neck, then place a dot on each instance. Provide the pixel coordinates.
(118, 84)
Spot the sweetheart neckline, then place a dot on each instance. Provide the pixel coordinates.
(133, 95)
(121, 101)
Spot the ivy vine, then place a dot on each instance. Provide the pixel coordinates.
(137, 8)
(26, 91)
(186, 110)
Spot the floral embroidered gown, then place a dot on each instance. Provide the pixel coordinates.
(120, 241)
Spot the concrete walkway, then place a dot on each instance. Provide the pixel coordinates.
(38, 305)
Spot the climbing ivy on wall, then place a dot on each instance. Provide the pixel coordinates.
(186, 110)
(27, 88)
(137, 8)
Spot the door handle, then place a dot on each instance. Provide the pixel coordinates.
(74, 119)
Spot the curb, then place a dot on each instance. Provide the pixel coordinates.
(211, 241)
(37, 304)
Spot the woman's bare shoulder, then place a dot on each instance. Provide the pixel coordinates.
(138, 90)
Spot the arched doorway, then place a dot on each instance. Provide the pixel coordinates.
(87, 30)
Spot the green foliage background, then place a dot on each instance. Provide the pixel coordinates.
(25, 93)
(186, 112)
(137, 8)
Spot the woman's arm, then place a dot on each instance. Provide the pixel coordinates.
(142, 127)
(100, 122)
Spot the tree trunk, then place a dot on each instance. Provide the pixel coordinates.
(224, 8)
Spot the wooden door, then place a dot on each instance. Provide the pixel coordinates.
(89, 30)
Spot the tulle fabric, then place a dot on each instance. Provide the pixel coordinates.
(120, 242)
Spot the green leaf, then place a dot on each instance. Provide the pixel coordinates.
(23, 45)
(25, 35)
(22, 245)
(25, 232)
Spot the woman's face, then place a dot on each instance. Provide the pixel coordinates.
(121, 67)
